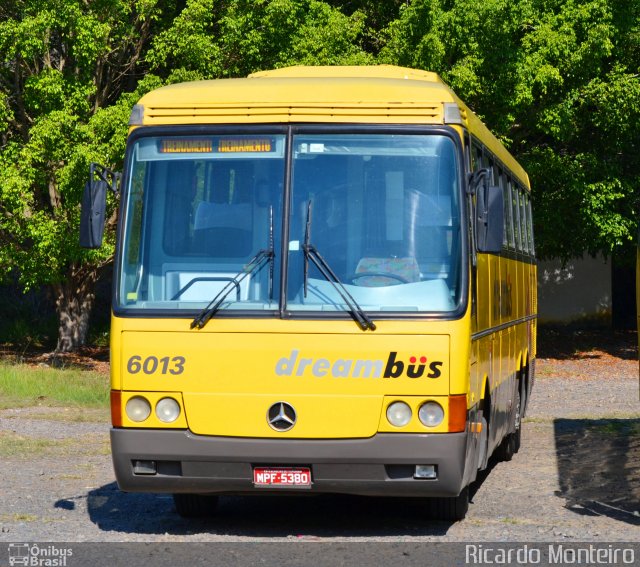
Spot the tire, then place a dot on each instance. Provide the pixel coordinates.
(521, 401)
(511, 443)
(483, 456)
(195, 505)
(450, 509)
(507, 448)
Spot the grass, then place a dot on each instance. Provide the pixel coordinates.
(619, 427)
(22, 385)
(17, 517)
(65, 414)
(513, 521)
(14, 445)
(544, 371)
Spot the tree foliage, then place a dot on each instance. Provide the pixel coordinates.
(67, 67)
(206, 41)
(557, 80)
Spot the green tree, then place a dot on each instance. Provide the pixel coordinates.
(558, 82)
(71, 71)
(65, 67)
(378, 14)
(252, 35)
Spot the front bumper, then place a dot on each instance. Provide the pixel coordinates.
(382, 465)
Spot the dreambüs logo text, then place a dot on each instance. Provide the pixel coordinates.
(393, 367)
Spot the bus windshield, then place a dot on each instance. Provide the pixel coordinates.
(382, 210)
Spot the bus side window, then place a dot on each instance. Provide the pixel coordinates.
(515, 206)
(477, 157)
(502, 183)
(468, 151)
(509, 220)
(532, 248)
(524, 222)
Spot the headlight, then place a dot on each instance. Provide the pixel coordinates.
(431, 414)
(399, 414)
(167, 410)
(138, 409)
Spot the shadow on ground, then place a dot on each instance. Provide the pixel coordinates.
(270, 516)
(599, 467)
(570, 343)
(307, 517)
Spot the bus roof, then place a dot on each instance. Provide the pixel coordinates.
(369, 72)
(304, 94)
(381, 94)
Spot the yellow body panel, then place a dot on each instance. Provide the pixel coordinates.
(507, 303)
(339, 378)
(234, 370)
(320, 416)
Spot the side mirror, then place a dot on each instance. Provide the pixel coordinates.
(489, 219)
(94, 205)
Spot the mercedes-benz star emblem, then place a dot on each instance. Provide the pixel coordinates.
(281, 416)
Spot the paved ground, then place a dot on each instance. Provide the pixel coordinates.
(576, 478)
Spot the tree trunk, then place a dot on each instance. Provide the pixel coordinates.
(74, 301)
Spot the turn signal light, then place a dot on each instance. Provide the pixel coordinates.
(116, 408)
(457, 413)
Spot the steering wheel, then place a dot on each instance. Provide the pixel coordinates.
(396, 277)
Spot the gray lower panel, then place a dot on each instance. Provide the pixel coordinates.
(381, 465)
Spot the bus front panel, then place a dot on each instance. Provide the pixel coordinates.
(292, 297)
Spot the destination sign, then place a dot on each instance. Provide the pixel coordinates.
(186, 146)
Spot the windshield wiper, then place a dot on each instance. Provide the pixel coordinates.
(256, 263)
(311, 253)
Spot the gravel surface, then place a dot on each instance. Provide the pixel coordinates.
(576, 478)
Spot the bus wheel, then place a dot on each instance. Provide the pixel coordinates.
(511, 443)
(520, 408)
(450, 509)
(195, 505)
(483, 445)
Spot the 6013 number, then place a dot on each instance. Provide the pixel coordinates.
(153, 364)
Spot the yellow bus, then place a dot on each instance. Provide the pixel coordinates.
(324, 283)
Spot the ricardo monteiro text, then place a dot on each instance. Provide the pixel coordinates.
(556, 554)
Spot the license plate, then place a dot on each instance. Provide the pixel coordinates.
(268, 476)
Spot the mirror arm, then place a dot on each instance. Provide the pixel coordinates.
(475, 178)
(110, 177)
